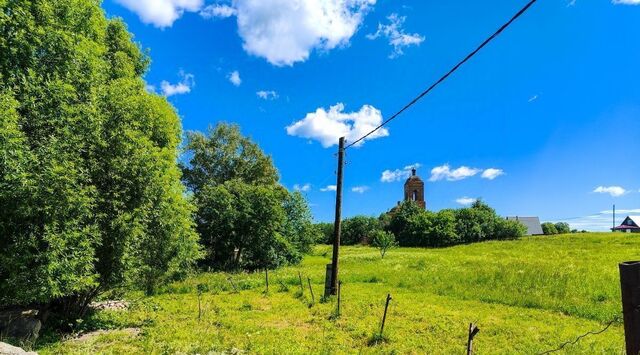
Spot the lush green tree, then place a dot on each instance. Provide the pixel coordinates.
(358, 230)
(563, 228)
(245, 218)
(90, 192)
(400, 220)
(384, 241)
(443, 229)
(241, 226)
(549, 228)
(225, 154)
(298, 226)
(326, 232)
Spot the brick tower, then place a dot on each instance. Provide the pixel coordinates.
(414, 190)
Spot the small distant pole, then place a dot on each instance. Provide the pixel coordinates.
(338, 220)
(266, 278)
(630, 285)
(301, 285)
(614, 218)
(473, 331)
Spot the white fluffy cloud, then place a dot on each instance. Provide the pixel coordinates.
(161, 13)
(329, 188)
(626, 2)
(184, 86)
(302, 188)
(445, 172)
(267, 94)
(360, 189)
(328, 126)
(466, 201)
(615, 191)
(234, 78)
(287, 31)
(398, 174)
(217, 10)
(396, 35)
(492, 173)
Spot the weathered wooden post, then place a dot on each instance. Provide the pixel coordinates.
(266, 279)
(384, 317)
(313, 298)
(301, 285)
(339, 289)
(473, 331)
(630, 285)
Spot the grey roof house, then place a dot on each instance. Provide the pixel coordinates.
(532, 223)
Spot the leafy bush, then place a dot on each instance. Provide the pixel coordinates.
(549, 228)
(358, 230)
(563, 228)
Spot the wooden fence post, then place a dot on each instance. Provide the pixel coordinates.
(313, 299)
(384, 317)
(630, 285)
(473, 331)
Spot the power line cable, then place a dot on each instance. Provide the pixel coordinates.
(444, 77)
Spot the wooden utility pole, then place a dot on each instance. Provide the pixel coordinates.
(337, 223)
(630, 284)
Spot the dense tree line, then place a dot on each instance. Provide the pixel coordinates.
(549, 228)
(412, 226)
(91, 193)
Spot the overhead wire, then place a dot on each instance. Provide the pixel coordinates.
(445, 76)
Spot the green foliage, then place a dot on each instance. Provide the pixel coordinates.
(549, 228)
(244, 217)
(358, 230)
(413, 226)
(563, 228)
(90, 193)
(325, 231)
(225, 154)
(384, 241)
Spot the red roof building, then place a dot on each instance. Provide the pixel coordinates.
(631, 224)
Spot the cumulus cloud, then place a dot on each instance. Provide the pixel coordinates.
(466, 201)
(234, 78)
(329, 188)
(398, 174)
(492, 173)
(302, 188)
(161, 13)
(183, 87)
(286, 31)
(615, 191)
(328, 126)
(360, 189)
(217, 11)
(267, 94)
(444, 172)
(626, 2)
(396, 35)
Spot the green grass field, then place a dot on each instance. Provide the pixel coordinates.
(527, 296)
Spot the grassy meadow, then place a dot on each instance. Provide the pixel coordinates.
(527, 296)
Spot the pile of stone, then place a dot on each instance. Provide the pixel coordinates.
(114, 305)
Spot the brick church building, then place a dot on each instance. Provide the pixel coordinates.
(414, 189)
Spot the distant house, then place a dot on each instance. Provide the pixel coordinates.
(631, 224)
(532, 223)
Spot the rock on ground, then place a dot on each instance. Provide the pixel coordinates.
(7, 349)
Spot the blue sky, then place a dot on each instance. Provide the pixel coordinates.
(543, 122)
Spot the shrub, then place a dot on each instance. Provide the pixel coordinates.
(563, 228)
(358, 230)
(549, 228)
(383, 241)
